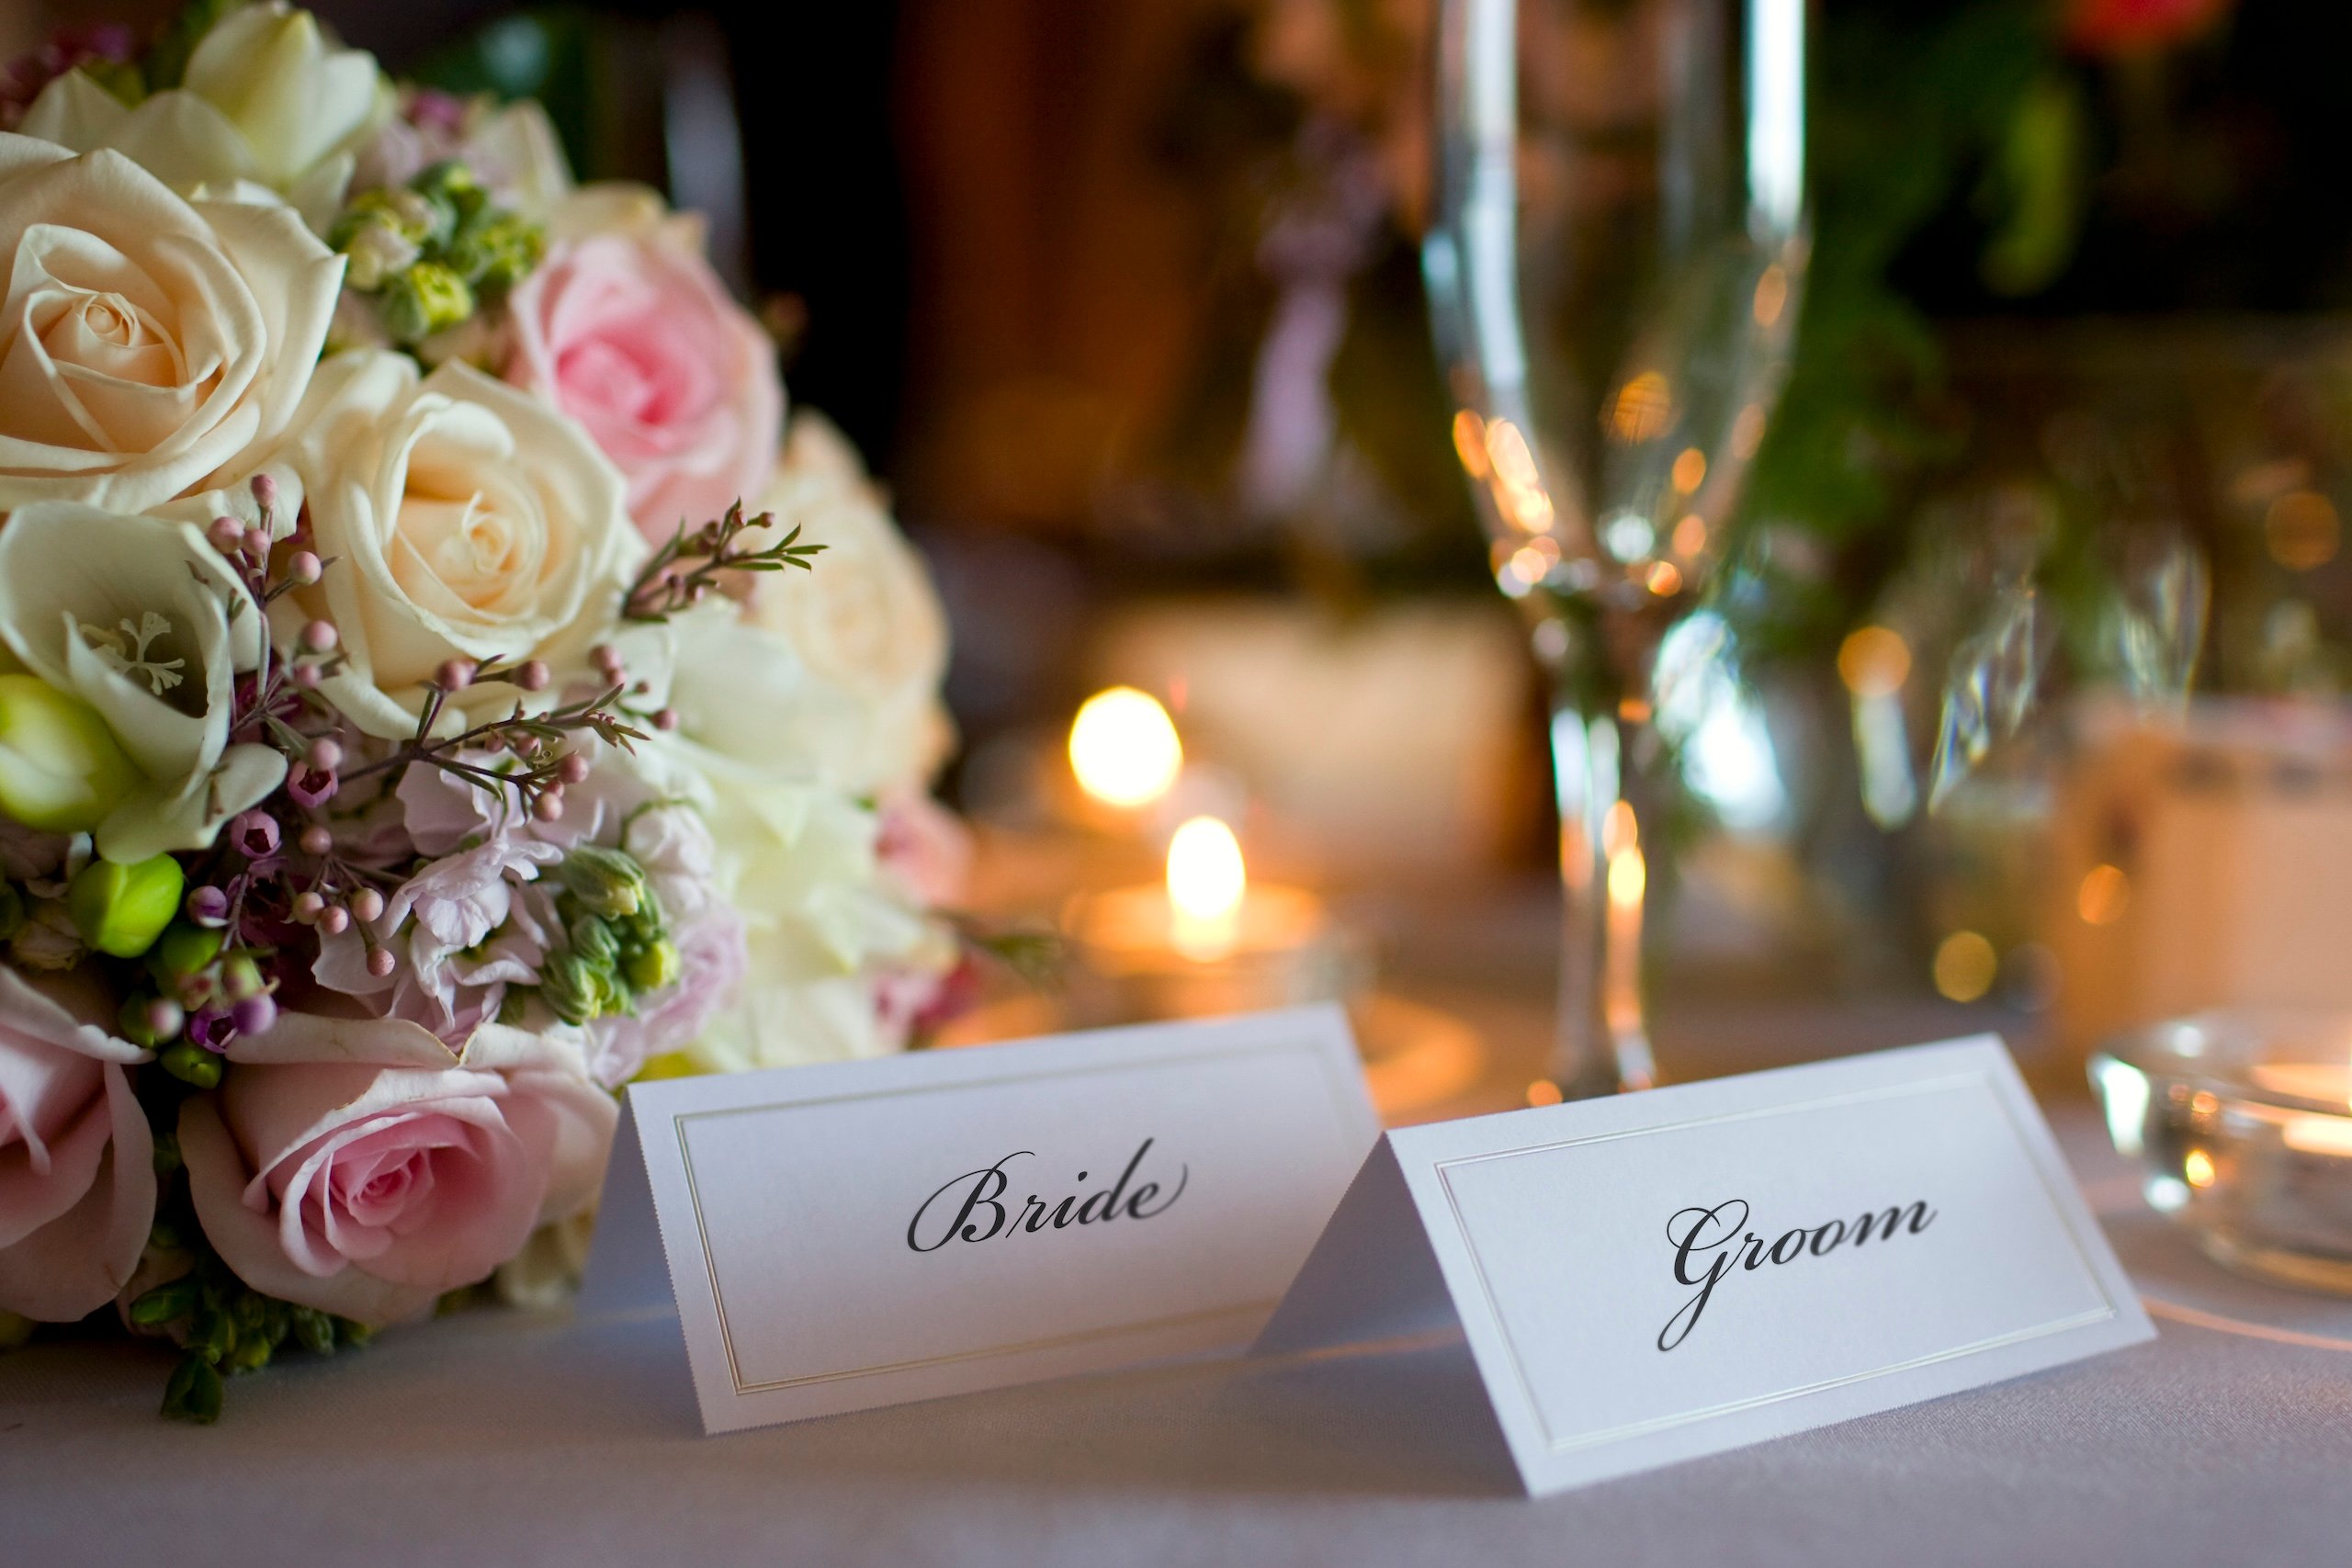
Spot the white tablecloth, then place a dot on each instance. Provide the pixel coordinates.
(509, 1439)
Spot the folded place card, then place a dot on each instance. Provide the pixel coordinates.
(1659, 1276)
(867, 1233)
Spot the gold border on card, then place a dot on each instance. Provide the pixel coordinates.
(710, 1263)
(1663, 1423)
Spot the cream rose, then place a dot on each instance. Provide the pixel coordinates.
(360, 1166)
(143, 620)
(266, 98)
(628, 330)
(77, 1163)
(843, 663)
(147, 341)
(465, 519)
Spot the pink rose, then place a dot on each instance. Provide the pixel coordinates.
(361, 1167)
(926, 847)
(626, 328)
(77, 1163)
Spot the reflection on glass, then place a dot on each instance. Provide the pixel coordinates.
(1614, 271)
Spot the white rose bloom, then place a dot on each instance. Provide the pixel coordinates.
(143, 620)
(844, 662)
(266, 99)
(464, 518)
(789, 1025)
(822, 921)
(146, 340)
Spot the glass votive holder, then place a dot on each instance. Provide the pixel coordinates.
(2242, 1122)
(1138, 960)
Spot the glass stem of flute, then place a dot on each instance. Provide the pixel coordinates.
(1602, 1044)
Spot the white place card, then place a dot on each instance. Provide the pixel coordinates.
(1658, 1276)
(867, 1233)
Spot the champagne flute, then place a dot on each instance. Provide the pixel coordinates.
(1618, 245)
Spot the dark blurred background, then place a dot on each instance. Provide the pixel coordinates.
(1122, 300)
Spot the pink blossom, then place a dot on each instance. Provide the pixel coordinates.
(926, 847)
(442, 811)
(363, 1168)
(629, 332)
(908, 1002)
(460, 931)
(77, 1174)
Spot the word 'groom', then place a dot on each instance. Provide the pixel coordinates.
(1709, 1242)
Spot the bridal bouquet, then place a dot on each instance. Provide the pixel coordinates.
(437, 686)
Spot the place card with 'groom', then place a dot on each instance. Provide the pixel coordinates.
(866, 1233)
(1658, 1276)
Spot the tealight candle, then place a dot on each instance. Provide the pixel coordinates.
(1206, 940)
(2243, 1121)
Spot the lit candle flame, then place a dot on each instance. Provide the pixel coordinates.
(1206, 881)
(1123, 747)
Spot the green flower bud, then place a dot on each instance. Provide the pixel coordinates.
(122, 909)
(164, 1303)
(213, 1336)
(375, 252)
(313, 1330)
(192, 1065)
(609, 882)
(241, 977)
(61, 768)
(497, 252)
(452, 183)
(570, 989)
(184, 950)
(425, 298)
(194, 1393)
(408, 217)
(654, 966)
(613, 998)
(594, 943)
(137, 1022)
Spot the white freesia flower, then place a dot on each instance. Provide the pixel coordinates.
(141, 619)
(146, 340)
(464, 518)
(266, 99)
(844, 662)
